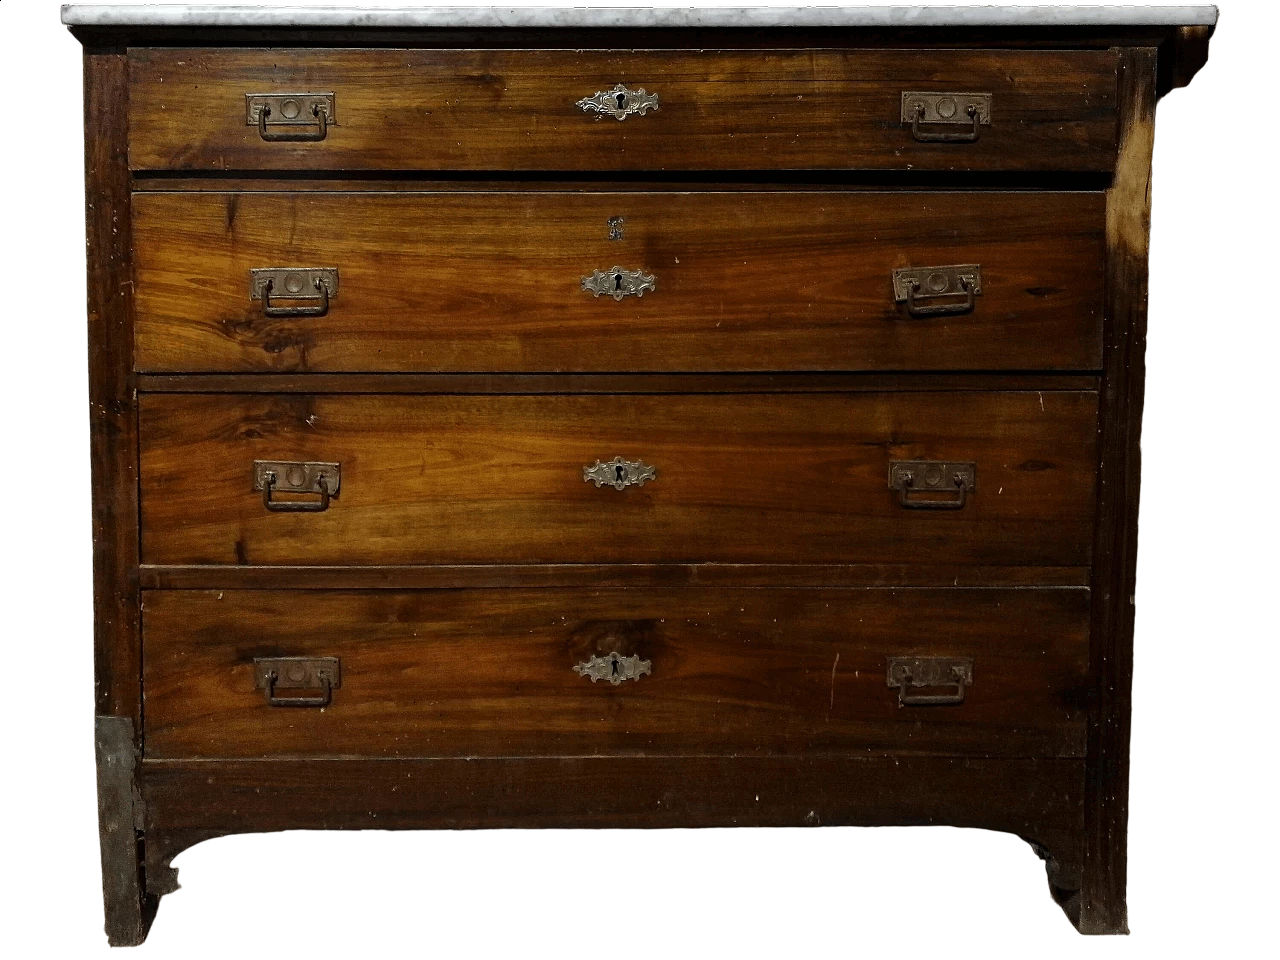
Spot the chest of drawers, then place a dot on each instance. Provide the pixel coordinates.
(618, 418)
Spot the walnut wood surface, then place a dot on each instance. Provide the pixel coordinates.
(745, 281)
(745, 478)
(734, 672)
(517, 109)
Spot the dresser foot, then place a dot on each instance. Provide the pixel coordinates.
(128, 907)
(1066, 872)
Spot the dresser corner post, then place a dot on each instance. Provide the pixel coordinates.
(114, 465)
(1100, 907)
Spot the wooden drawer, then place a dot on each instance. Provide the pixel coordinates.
(741, 281)
(490, 673)
(717, 109)
(739, 478)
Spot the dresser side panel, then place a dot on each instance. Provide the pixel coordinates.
(1101, 907)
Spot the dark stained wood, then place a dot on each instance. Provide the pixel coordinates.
(1101, 906)
(1190, 53)
(517, 110)
(734, 672)
(113, 441)
(745, 281)
(612, 384)
(1037, 799)
(744, 478)
(501, 576)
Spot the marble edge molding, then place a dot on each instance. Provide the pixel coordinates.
(216, 15)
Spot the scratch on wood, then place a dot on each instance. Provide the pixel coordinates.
(833, 681)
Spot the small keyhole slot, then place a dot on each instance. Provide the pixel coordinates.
(620, 472)
(613, 670)
(617, 281)
(622, 100)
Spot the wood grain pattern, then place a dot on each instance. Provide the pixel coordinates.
(747, 478)
(745, 281)
(517, 109)
(734, 672)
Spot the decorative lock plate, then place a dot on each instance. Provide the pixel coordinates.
(297, 673)
(287, 476)
(291, 117)
(909, 673)
(618, 282)
(913, 477)
(620, 102)
(614, 667)
(619, 473)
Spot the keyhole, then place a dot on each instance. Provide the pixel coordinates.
(622, 100)
(614, 668)
(621, 472)
(617, 281)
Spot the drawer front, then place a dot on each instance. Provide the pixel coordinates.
(724, 281)
(522, 110)
(739, 478)
(491, 673)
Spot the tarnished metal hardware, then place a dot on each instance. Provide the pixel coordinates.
(615, 227)
(297, 673)
(619, 473)
(920, 288)
(941, 111)
(285, 476)
(618, 282)
(620, 102)
(291, 117)
(907, 673)
(293, 283)
(911, 477)
(614, 667)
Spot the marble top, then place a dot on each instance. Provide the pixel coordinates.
(217, 15)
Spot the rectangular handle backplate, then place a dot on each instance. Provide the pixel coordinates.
(290, 109)
(914, 283)
(909, 673)
(926, 107)
(293, 283)
(296, 673)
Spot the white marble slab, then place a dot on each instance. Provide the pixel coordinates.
(217, 15)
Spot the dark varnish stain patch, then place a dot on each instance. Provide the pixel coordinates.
(1035, 466)
(242, 555)
(1044, 291)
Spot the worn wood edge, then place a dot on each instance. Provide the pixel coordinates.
(609, 383)
(112, 396)
(129, 909)
(502, 576)
(1101, 905)
(1188, 54)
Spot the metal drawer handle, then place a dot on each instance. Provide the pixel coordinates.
(619, 473)
(620, 102)
(909, 477)
(614, 667)
(937, 283)
(291, 117)
(941, 110)
(293, 283)
(618, 282)
(284, 476)
(906, 673)
(297, 673)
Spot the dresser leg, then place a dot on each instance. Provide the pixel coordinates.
(129, 909)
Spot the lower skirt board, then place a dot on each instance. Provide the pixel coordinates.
(1040, 800)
